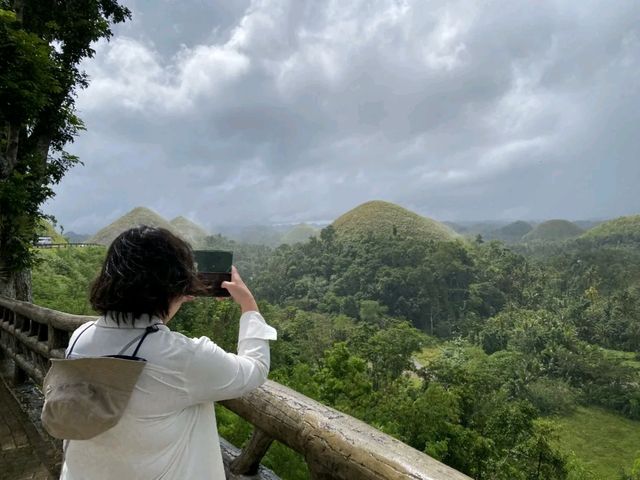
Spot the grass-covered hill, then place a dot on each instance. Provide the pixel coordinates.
(619, 231)
(511, 233)
(380, 218)
(553, 231)
(137, 216)
(190, 231)
(299, 233)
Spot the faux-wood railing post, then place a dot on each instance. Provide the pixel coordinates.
(56, 338)
(248, 461)
(318, 472)
(19, 375)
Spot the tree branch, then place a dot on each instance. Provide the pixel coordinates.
(9, 159)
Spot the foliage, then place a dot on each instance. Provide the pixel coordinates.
(517, 347)
(425, 282)
(619, 231)
(62, 276)
(41, 47)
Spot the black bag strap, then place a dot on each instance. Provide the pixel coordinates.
(78, 337)
(150, 329)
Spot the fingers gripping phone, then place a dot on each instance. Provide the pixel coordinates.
(214, 267)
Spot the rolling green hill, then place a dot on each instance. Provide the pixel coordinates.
(299, 233)
(511, 233)
(553, 231)
(137, 216)
(190, 231)
(622, 230)
(385, 219)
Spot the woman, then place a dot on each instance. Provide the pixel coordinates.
(168, 429)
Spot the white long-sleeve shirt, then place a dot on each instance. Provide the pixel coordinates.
(168, 430)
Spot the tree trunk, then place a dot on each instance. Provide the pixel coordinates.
(17, 285)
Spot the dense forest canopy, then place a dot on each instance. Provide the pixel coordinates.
(471, 351)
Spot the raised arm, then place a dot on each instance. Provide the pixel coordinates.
(214, 374)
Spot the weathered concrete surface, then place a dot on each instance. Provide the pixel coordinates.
(24, 454)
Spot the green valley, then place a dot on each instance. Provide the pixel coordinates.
(505, 362)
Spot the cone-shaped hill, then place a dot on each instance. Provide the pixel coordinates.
(622, 230)
(190, 231)
(380, 218)
(299, 233)
(137, 216)
(553, 231)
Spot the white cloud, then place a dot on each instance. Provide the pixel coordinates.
(132, 75)
(301, 109)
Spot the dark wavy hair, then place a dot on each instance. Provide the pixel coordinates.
(146, 268)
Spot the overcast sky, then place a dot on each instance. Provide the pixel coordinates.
(240, 112)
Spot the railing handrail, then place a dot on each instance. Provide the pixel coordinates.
(67, 244)
(334, 444)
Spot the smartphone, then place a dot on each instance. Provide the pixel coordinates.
(214, 267)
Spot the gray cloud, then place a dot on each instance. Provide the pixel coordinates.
(280, 111)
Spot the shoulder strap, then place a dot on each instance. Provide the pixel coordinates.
(76, 340)
(150, 329)
(147, 331)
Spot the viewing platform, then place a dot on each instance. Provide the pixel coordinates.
(333, 444)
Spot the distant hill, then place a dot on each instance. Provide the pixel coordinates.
(190, 231)
(385, 219)
(553, 231)
(510, 233)
(622, 230)
(270, 235)
(74, 237)
(588, 224)
(299, 233)
(472, 229)
(137, 216)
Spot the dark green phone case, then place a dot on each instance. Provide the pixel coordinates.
(214, 267)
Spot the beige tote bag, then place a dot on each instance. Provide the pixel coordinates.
(85, 397)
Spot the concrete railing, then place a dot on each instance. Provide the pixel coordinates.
(334, 445)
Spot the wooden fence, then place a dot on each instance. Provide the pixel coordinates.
(334, 445)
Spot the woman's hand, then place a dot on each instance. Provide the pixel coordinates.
(240, 292)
